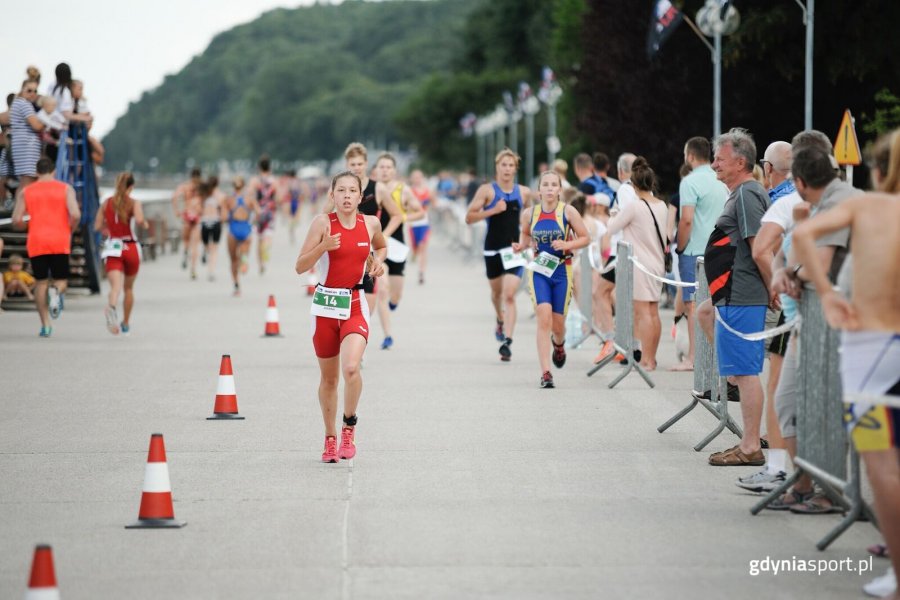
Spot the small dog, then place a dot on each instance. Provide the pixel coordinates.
(680, 335)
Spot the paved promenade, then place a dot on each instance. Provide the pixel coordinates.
(469, 482)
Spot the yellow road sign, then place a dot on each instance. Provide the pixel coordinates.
(846, 146)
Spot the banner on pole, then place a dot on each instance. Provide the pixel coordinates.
(663, 22)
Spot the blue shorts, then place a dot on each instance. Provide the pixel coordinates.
(687, 272)
(738, 356)
(295, 204)
(240, 230)
(419, 234)
(555, 290)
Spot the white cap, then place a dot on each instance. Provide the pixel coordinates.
(599, 199)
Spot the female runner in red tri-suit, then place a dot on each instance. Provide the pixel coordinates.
(341, 244)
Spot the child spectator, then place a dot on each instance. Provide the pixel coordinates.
(54, 123)
(17, 281)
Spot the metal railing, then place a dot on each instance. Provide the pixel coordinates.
(624, 341)
(822, 443)
(706, 375)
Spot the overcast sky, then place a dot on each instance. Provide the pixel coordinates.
(119, 48)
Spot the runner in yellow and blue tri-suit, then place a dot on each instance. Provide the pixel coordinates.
(547, 228)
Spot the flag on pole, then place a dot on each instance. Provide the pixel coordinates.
(663, 22)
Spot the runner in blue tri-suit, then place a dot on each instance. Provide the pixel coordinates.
(547, 228)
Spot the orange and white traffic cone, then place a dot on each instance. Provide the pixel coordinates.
(311, 282)
(272, 329)
(226, 398)
(42, 583)
(156, 500)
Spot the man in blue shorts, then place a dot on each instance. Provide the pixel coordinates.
(738, 288)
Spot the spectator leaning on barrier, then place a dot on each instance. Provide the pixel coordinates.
(606, 290)
(738, 289)
(776, 166)
(701, 197)
(870, 344)
(818, 184)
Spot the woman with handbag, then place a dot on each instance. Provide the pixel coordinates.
(643, 225)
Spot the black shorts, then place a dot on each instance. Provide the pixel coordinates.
(210, 232)
(610, 275)
(493, 267)
(395, 268)
(368, 284)
(778, 344)
(46, 264)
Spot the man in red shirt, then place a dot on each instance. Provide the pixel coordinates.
(53, 213)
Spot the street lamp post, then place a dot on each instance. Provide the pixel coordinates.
(549, 94)
(530, 107)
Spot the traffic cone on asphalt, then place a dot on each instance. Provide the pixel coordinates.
(311, 282)
(156, 500)
(42, 583)
(226, 398)
(272, 329)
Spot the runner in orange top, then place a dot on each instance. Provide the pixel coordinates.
(53, 213)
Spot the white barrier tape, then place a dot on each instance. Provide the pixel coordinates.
(662, 279)
(863, 399)
(759, 335)
(610, 267)
(8, 221)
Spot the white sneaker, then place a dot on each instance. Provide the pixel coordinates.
(112, 320)
(53, 303)
(762, 481)
(882, 586)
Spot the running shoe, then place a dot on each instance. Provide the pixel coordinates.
(348, 443)
(763, 481)
(547, 380)
(53, 302)
(237, 291)
(193, 276)
(883, 586)
(505, 351)
(45, 331)
(605, 351)
(184, 261)
(126, 329)
(559, 354)
(330, 454)
(387, 343)
(112, 319)
(421, 278)
(498, 333)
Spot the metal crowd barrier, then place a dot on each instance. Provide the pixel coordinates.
(821, 437)
(706, 375)
(586, 296)
(623, 341)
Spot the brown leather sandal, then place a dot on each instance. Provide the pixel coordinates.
(736, 458)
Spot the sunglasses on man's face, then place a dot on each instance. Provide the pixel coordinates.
(28, 91)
